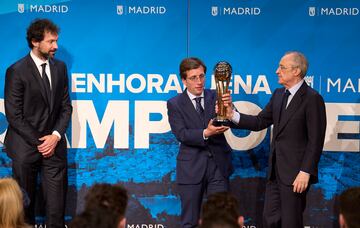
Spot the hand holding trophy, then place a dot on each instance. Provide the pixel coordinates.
(222, 72)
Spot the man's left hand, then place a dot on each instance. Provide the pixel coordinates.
(47, 148)
(301, 182)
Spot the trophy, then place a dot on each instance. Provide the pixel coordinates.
(222, 72)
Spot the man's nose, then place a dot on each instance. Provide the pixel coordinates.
(277, 70)
(55, 45)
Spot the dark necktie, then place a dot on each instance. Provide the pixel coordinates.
(46, 83)
(199, 107)
(284, 103)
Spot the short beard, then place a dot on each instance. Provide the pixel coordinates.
(46, 55)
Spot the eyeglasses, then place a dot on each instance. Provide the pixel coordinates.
(197, 78)
(285, 68)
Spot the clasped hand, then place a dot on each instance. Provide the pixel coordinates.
(47, 147)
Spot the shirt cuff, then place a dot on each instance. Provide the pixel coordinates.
(57, 134)
(204, 135)
(304, 172)
(236, 117)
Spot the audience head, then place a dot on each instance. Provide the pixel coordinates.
(349, 208)
(221, 210)
(11, 204)
(97, 218)
(220, 220)
(105, 207)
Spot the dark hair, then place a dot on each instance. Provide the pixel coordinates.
(95, 218)
(221, 205)
(219, 220)
(37, 29)
(349, 206)
(190, 64)
(113, 197)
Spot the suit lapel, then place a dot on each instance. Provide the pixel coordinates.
(54, 77)
(187, 104)
(36, 75)
(209, 109)
(293, 106)
(277, 104)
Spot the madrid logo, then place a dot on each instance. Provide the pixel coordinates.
(312, 11)
(120, 10)
(21, 8)
(214, 10)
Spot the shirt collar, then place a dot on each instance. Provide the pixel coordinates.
(192, 96)
(296, 87)
(37, 60)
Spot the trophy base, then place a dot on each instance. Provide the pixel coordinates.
(220, 122)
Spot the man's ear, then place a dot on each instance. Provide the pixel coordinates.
(241, 221)
(35, 43)
(298, 71)
(183, 81)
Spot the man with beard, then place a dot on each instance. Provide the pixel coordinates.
(38, 109)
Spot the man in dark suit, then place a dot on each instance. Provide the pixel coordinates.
(38, 109)
(204, 159)
(297, 113)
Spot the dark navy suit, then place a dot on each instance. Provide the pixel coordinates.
(202, 165)
(31, 115)
(296, 145)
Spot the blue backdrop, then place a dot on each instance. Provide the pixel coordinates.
(123, 59)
